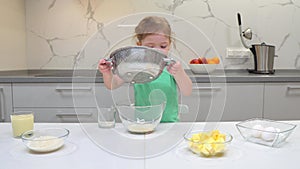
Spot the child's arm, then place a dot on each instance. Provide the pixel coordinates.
(182, 79)
(110, 81)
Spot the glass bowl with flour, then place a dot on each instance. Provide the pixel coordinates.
(45, 140)
(140, 119)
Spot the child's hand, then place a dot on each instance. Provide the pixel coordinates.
(103, 66)
(183, 81)
(175, 69)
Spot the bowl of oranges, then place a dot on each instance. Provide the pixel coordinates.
(208, 143)
(204, 65)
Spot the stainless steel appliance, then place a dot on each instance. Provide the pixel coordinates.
(263, 54)
(263, 58)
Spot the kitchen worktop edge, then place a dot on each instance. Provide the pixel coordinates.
(93, 76)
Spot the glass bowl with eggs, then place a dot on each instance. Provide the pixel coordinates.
(265, 132)
(45, 139)
(212, 143)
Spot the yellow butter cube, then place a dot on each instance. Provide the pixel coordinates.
(208, 143)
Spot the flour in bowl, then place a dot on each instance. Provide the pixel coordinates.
(45, 143)
(141, 128)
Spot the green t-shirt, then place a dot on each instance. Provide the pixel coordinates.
(162, 89)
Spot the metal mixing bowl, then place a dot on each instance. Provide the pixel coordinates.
(138, 64)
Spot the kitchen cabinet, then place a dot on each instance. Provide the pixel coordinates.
(282, 101)
(5, 101)
(224, 102)
(240, 97)
(243, 101)
(73, 102)
(60, 114)
(52, 95)
(60, 102)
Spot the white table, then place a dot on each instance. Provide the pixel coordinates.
(84, 149)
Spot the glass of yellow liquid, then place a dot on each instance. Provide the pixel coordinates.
(21, 122)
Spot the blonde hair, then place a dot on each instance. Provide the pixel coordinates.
(153, 25)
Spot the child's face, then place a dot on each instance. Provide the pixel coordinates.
(157, 41)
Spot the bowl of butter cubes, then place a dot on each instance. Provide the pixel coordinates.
(212, 143)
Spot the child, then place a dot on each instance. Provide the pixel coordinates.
(155, 32)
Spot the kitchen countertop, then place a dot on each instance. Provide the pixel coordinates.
(93, 76)
(82, 149)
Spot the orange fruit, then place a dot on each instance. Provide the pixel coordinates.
(216, 60)
(210, 61)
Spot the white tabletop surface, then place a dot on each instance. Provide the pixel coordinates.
(89, 147)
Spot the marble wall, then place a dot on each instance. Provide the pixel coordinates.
(68, 34)
(12, 35)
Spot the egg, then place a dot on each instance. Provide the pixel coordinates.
(257, 130)
(269, 133)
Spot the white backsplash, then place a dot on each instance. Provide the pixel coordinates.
(69, 34)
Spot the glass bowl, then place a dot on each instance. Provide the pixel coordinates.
(203, 68)
(208, 143)
(265, 132)
(45, 140)
(140, 119)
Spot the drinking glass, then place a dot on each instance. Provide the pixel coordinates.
(106, 117)
(21, 122)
